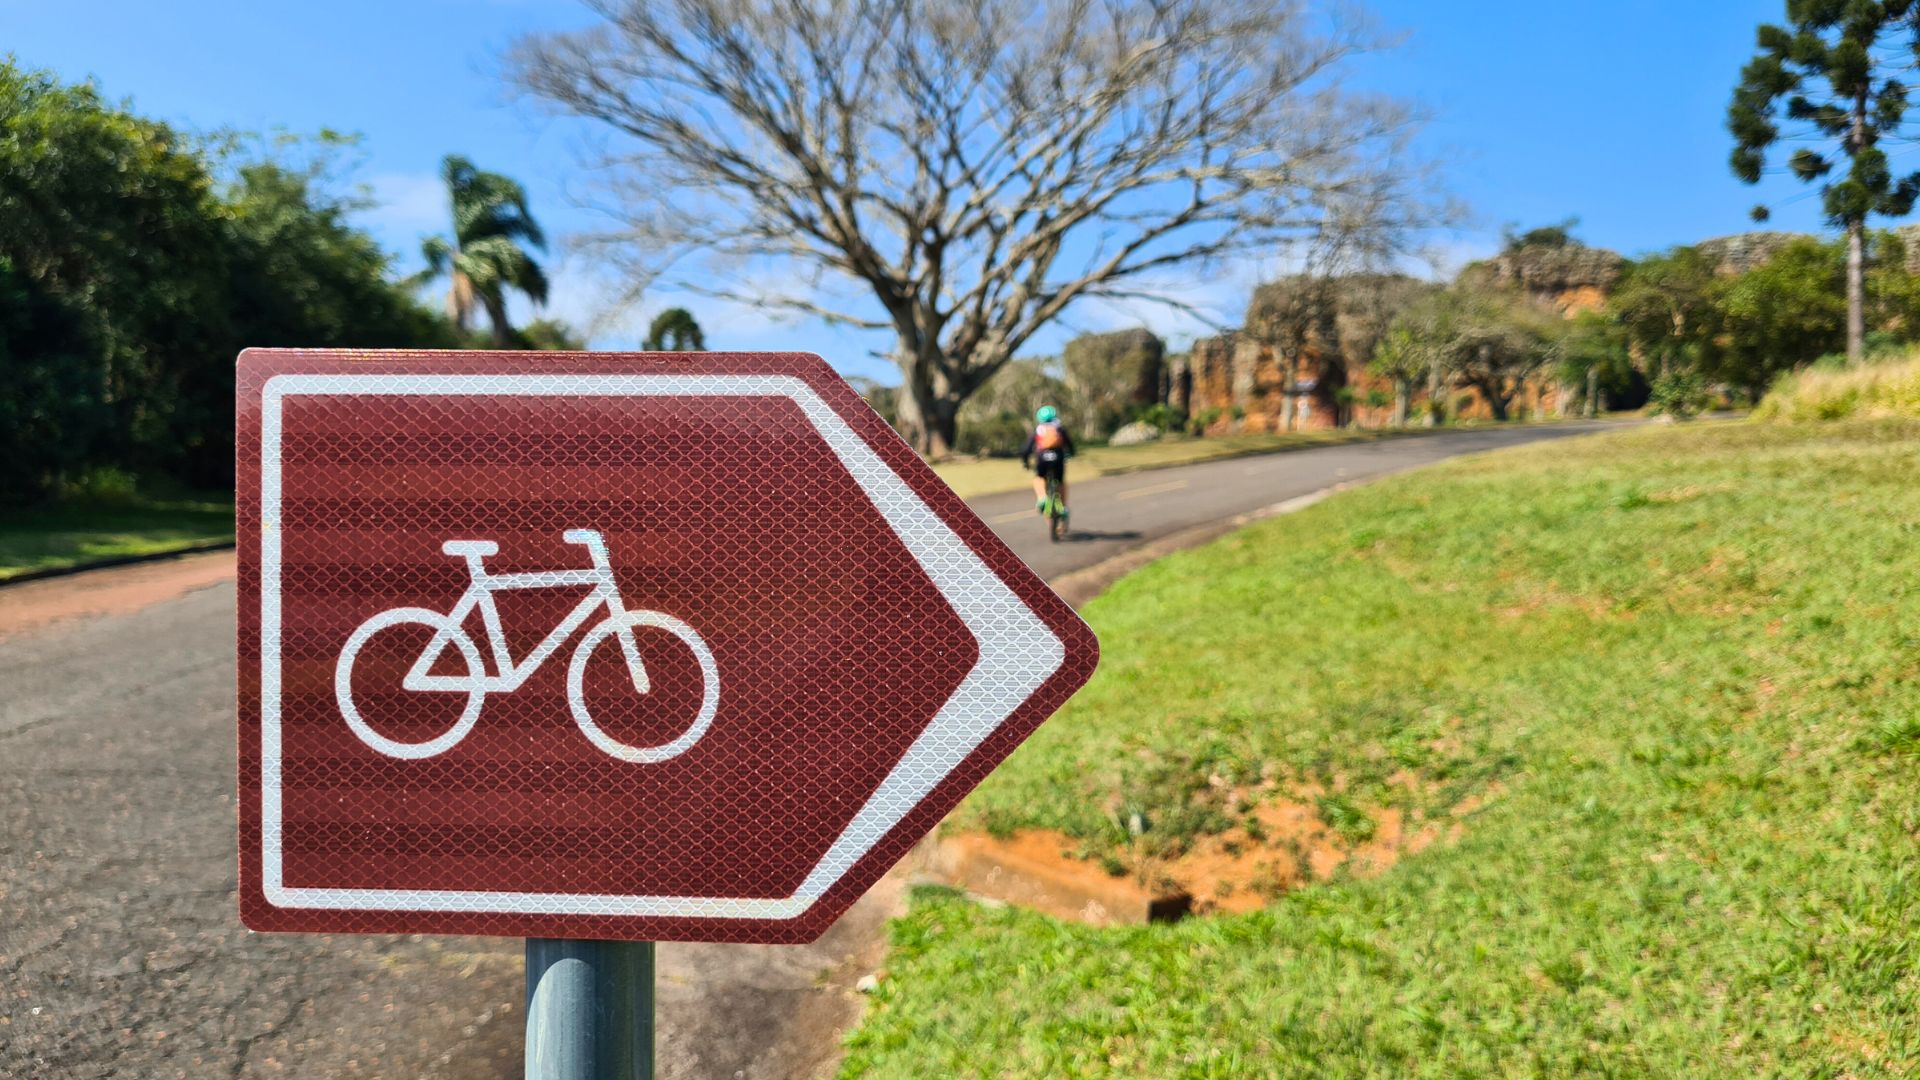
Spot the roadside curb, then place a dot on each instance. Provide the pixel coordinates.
(115, 560)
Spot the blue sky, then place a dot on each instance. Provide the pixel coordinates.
(1611, 112)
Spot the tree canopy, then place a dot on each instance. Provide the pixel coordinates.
(487, 253)
(136, 262)
(674, 330)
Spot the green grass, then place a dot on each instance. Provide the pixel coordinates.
(1679, 668)
(989, 476)
(65, 534)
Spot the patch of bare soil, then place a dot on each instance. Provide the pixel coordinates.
(1291, 845)
(1287, 845)
(112, 591)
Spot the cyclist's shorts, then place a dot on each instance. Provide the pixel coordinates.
(1050, 465)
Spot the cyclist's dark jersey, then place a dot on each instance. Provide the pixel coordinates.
(1052, 462)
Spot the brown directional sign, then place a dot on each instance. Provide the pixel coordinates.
(647, 646)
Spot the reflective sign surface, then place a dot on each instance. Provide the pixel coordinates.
(661, 646)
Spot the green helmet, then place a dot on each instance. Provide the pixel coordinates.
(1046, 415)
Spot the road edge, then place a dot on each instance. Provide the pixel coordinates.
(1081, 586)
(43, 573)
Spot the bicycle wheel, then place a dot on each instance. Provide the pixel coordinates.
(438, 623)
(1056, 513)
(709, 686)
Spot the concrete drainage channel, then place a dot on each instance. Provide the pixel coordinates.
(1029, 872)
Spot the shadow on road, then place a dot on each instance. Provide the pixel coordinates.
(1088, 536)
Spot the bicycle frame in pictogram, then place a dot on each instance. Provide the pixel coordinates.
(508, 676)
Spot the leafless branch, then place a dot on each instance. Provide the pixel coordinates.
(976, 168)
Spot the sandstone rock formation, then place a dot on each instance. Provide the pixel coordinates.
(1741, 252)
(1571, 276)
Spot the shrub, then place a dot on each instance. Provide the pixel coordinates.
(1000, 435)
(1160, 415)
(1679, 394)
(1205, 419)
(101, 485)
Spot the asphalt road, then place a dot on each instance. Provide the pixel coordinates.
(121, 953)
(1115, 513)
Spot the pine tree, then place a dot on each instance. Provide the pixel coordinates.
(1828, 73)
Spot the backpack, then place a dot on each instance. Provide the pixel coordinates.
(1048, 437)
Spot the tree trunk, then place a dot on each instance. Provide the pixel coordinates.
(1498, 399)
(1436, 408)
(1593, 392)
(928, 415)
(1402, 394)
(497, 316)
(1856, 292)
(943, 430)
(1856, 245)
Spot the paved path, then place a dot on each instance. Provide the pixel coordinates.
(120, 950)
(1115, 513)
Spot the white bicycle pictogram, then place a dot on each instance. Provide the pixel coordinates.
(509, 676)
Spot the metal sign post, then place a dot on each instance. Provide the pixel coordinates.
(589, 1009)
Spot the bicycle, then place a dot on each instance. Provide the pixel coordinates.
(508, 676)
(1056, 510)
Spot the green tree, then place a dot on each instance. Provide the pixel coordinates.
(674, 330)
(1490, 339)
(53, 377)
(1414, 351)
(487, 254)
(1596, 358)
(551, 335)
(1327, 327)
(114, 221)
(137, 262)
(1665, 305)
(303, 275)
(1834, 69)
(996, 420)
(1782, 314)
(1502, 340)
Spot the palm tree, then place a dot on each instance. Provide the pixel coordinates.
(487, 256)
(674, 330)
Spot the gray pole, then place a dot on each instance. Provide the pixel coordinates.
(589, 1010)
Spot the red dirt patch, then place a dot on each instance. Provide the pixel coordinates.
(1239, 870)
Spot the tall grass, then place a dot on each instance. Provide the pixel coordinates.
(1876, 390)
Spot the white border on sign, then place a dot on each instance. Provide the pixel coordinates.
(1018, 652)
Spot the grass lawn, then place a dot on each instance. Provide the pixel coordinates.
(69, 534)
(1664, 684)
(989, 476)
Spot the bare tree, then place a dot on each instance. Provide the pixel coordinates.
(965, 170)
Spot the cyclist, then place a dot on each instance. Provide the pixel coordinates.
(1048, 446)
